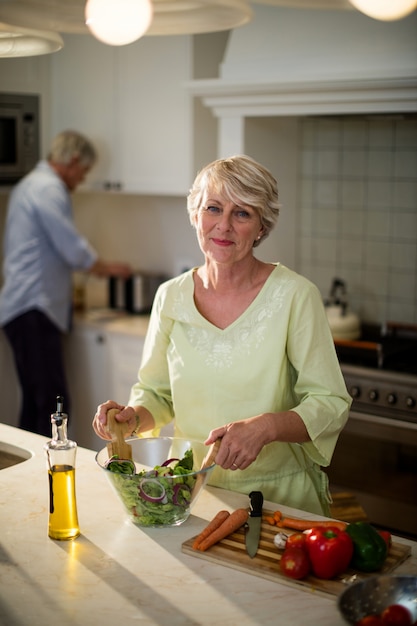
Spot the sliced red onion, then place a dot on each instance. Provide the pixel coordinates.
(165, 463)
(162, 498)
(179, 497)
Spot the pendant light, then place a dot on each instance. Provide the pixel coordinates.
(118, 22)
(386, 10)
(23, 42)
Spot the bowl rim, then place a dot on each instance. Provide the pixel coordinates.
(165, 438)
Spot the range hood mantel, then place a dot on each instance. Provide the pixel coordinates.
(384, 95)
(289, 62)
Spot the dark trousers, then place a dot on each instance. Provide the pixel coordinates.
(37, 346)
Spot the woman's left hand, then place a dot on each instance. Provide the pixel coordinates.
(241, 442)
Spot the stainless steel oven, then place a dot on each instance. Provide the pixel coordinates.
(376, 455)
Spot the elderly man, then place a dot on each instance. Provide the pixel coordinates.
(42, 248)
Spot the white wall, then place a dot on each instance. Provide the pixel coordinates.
(292, 44)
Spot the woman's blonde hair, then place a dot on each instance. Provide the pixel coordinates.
(243, 181)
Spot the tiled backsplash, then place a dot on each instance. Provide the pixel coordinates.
(357, 208)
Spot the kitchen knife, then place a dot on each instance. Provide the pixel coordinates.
(253, 531)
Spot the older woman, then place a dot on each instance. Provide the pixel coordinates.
(241, 350)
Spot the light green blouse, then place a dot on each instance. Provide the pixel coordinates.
(278, 355)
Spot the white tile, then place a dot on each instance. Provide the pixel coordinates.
(380, 163)
(326, 193)
(355, 133)
(305, 223)
(307, 163)
(328, 163)
(351, 253)
(405, 194)
(328, 132)
(326, 222)
(378, 224)
(325, 250)
(404, 256)
(354, 163)
(381, 133)
(307, 192)
(308, 132)
(406, 164)
(376, 281)
(406, 134)
(374, 309)
(352, 193)
(402, 285)
(380, 194)
(401, 311)
(352, 223)
(377, 254)
(404, 225)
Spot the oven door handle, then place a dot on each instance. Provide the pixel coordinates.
(382, 428)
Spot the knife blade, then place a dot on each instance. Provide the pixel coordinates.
(253, 531)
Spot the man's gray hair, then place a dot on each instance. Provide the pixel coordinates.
(69, 144)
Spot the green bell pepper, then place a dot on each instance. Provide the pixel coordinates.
(369, 548)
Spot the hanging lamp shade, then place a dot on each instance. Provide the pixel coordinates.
(170, 17)
(22, 42)
(386, 10)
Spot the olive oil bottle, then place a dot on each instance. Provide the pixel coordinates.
(60, 454)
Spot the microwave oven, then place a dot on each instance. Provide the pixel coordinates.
(19, 136)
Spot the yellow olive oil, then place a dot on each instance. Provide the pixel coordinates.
(63, 517)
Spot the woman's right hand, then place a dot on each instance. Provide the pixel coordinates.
(127, 416)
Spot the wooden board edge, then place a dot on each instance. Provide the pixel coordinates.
(222, 554)
(305, 585)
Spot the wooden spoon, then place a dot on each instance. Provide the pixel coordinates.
(211, 454)
(118, 444)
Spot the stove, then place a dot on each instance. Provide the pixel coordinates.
(376, 454)
(384, 393)
(380, 371)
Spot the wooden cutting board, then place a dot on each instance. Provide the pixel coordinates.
(231, 552)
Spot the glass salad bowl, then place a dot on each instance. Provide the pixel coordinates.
(162, 482)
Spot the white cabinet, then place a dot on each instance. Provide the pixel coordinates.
(88, 370)
(133, 103)
(102, 365)
(125, 353)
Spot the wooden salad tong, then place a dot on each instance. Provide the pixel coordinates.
(118, 445)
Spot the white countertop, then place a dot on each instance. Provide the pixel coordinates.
(113, 321)
(117, 573)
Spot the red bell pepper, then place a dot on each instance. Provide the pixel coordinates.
(386, 536)
(330, 551)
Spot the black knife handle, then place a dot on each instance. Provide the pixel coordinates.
(256, 503)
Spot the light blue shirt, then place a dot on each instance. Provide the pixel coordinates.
(42, 248)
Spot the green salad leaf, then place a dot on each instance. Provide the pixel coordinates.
(157, 497)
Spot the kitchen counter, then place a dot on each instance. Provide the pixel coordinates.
(117, 573)
(113, 321)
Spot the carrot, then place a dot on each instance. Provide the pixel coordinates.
(232, 523)
(277, 516)
(304, 524)
(270, 520)
(215, 523)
